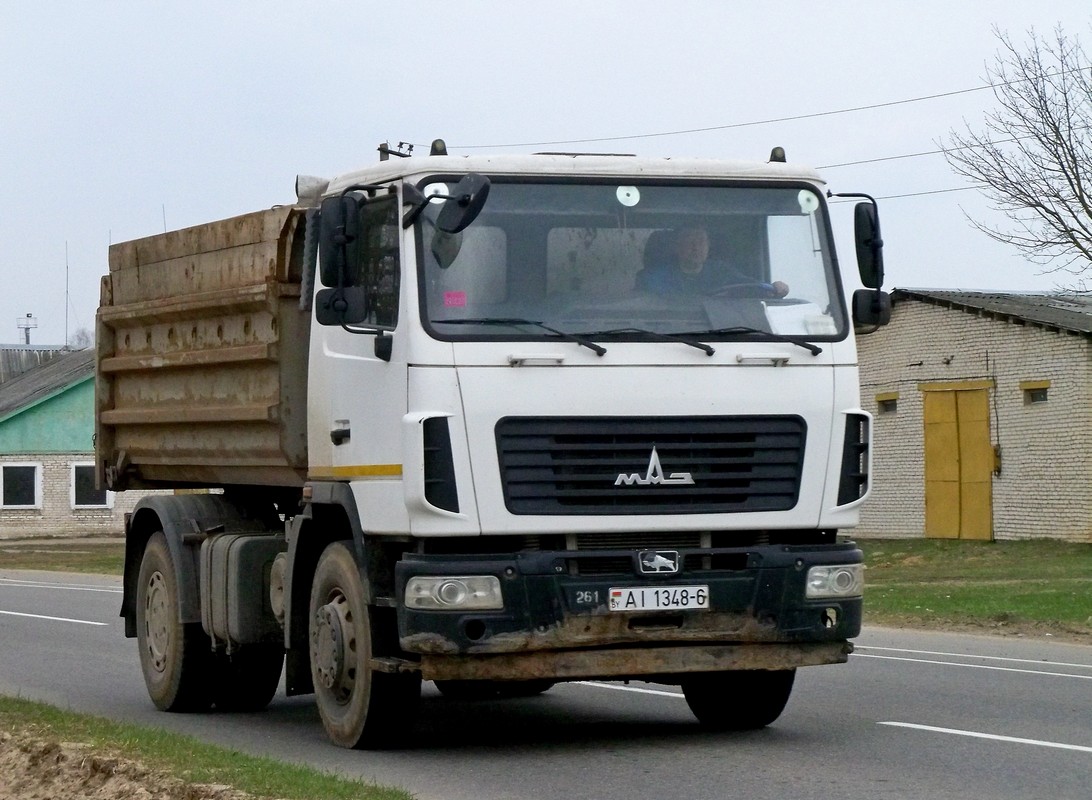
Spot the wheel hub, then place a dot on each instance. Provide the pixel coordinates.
(331, 648)
(157, 621)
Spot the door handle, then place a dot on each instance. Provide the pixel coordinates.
(342, 433)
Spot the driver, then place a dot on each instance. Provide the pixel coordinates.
(687, 268)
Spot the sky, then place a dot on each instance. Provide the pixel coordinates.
(121, 119)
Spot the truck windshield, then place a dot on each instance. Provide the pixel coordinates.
(635, 262)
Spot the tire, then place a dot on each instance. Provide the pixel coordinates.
(738, 701)
(247, 679)
(175, 658)
(360, 707)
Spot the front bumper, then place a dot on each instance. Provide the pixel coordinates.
(556, 609)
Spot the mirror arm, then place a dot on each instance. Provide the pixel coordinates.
(370, 188)
(861, 195)
(412, 215)
(415, 198)
(876, 242)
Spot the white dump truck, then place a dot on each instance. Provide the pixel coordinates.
(494, 422)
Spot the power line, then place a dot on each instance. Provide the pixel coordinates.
(922, 194)
(730, 126)
(752, 123)
(883, 158)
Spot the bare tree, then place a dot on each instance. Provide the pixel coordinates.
(81, 340)
(1032, 157)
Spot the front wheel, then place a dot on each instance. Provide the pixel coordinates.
(175, 657)
(360, 707)
(738, 701)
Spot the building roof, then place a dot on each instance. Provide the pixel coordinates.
(1060, 312)
(40, 383)
(15, 359)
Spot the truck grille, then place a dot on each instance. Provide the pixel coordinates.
(605, 465)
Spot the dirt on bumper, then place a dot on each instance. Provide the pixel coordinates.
(633, 662)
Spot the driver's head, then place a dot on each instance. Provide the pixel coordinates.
(691, 249)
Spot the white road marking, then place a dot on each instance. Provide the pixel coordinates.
(977, 666)
(72, 587)
(53, 619)
(969, 655)
(991, 736)
(616, 687)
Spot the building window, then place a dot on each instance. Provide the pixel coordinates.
(83, 491)
(1035, 391)
(21, 485)
(887, 403)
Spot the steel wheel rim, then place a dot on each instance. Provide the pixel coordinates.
(157, 635)
(333, 648)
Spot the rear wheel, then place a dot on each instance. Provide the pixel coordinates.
(248, 678)
(360, 707)
(738, 701)
(175, 657)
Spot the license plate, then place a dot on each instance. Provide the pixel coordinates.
(660, 598)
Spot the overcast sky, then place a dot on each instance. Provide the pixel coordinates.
(117, 118)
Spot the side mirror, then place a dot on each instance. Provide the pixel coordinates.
(445, 247)
(871, 307)
(464, 204)
(343, 306)
(866, 230)
(339, 228)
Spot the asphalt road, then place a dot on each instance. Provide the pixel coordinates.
(913, 715)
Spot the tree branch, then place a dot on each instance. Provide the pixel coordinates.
(1032, 155)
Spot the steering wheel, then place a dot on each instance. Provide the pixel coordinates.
(750, 290)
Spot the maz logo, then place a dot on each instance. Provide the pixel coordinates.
(655, 475)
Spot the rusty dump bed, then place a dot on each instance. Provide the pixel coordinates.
(202, 356)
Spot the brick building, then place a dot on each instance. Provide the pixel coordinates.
(983, 416)
(47, 479)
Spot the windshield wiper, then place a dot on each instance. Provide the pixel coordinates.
(663, 337)
(517, 321)
(777, 337)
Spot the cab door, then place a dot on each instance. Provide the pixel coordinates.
(357, 388)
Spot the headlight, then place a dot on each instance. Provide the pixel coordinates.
(454, 593)
(841, 580)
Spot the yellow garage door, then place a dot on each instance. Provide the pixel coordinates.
(959, 461)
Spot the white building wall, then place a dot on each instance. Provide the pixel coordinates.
(1044, 488)
(55, 517)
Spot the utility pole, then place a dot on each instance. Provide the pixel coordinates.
(66, 294)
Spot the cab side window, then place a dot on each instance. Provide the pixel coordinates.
(378, 270)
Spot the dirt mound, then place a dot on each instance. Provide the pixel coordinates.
(35, 768)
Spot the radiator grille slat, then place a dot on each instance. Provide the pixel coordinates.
(605, 465)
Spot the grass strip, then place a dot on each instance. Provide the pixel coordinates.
(84, 556)
(186, 758)
(1043, 586)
